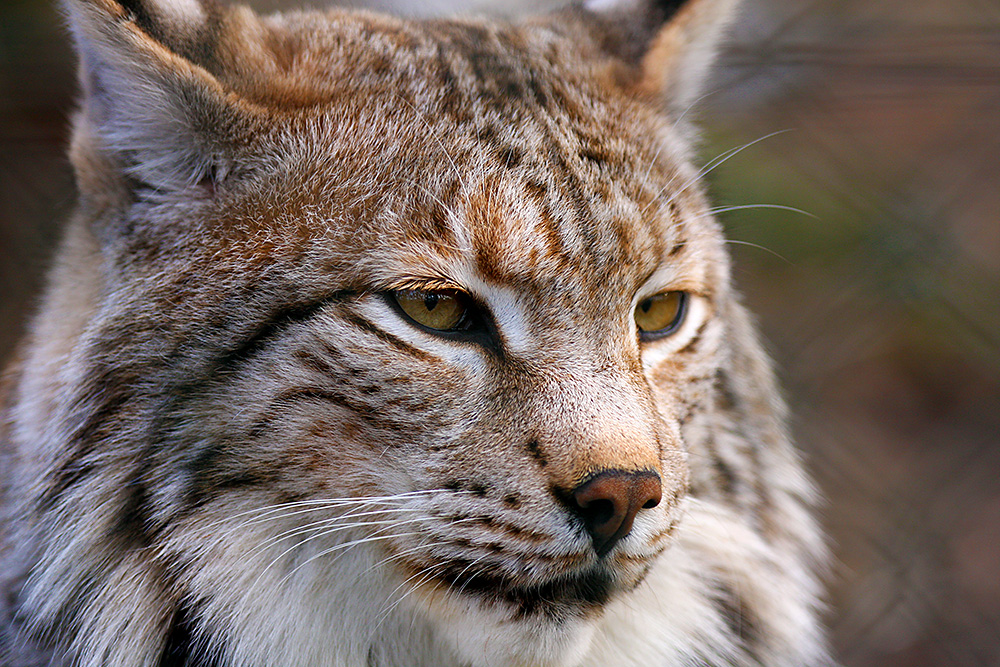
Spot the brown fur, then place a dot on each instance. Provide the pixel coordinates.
(226, 447)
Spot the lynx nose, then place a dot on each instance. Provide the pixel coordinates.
(608, 502)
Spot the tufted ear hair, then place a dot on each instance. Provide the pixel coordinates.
(152, 114)
(673, 42)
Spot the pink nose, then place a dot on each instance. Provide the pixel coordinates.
(608, 502)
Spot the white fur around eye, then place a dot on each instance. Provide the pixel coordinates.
(655, 351)
(377, 310)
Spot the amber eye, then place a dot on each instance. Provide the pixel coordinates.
(441, 311)
(661, 314)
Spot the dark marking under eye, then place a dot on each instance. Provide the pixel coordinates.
(315, 363)
(669, 7)
(79, 467)
(133, 524)
(595, 155)
(387, 337)
(726, 398)
(140, 15)
(695, 339)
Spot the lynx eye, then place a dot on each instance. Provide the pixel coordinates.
(661, 314)
(441, 311)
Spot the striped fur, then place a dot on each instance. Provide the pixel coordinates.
(225, 446)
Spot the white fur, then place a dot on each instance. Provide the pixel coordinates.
(189, 12)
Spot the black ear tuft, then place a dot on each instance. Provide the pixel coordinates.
(668, 8)
(186, 27)
(150, 112)
(139, 13)
(673, 41)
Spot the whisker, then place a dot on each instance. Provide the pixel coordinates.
(335, 529)
(780, 207)
(676, 124)
(454, 166)
(326, 527)
(330, 502)
(759, 247)
(341, 517)
(421, 546)
(467, 568)
(726, 156)
(267, 513)
(425, 575)
(340, 547)
(379, 534)
(712, 165)
(345, 545)
(649, 167)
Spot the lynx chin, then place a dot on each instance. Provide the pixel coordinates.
(397, 343)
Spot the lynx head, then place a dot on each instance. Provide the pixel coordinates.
(371, 328)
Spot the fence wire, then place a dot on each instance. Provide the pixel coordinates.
(884, 310)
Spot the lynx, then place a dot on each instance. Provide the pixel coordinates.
(400, 343)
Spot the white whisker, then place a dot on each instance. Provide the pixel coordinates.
(273, 512)
(711, 165)
(425, 575)
(726, 156)
(742, 207)
(759, 247)
(326, 527)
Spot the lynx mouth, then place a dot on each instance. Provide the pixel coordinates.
(583, 591)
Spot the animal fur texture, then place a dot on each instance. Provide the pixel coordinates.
(228, 440)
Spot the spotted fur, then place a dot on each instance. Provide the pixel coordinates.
(225, 446)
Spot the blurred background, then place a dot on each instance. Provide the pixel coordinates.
(880, 301)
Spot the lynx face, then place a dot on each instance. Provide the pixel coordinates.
(392, 343)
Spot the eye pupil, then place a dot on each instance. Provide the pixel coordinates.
(439, 311)
(646, 305)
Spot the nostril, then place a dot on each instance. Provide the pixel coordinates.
(598, 512)
(609, 501)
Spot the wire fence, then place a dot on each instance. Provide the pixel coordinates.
(884, 310)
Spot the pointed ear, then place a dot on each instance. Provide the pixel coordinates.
(151, 115)
(674, 42)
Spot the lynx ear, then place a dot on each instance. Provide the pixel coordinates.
(674, 42)
(150, 112)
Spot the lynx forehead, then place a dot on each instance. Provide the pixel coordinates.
(383, 342)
